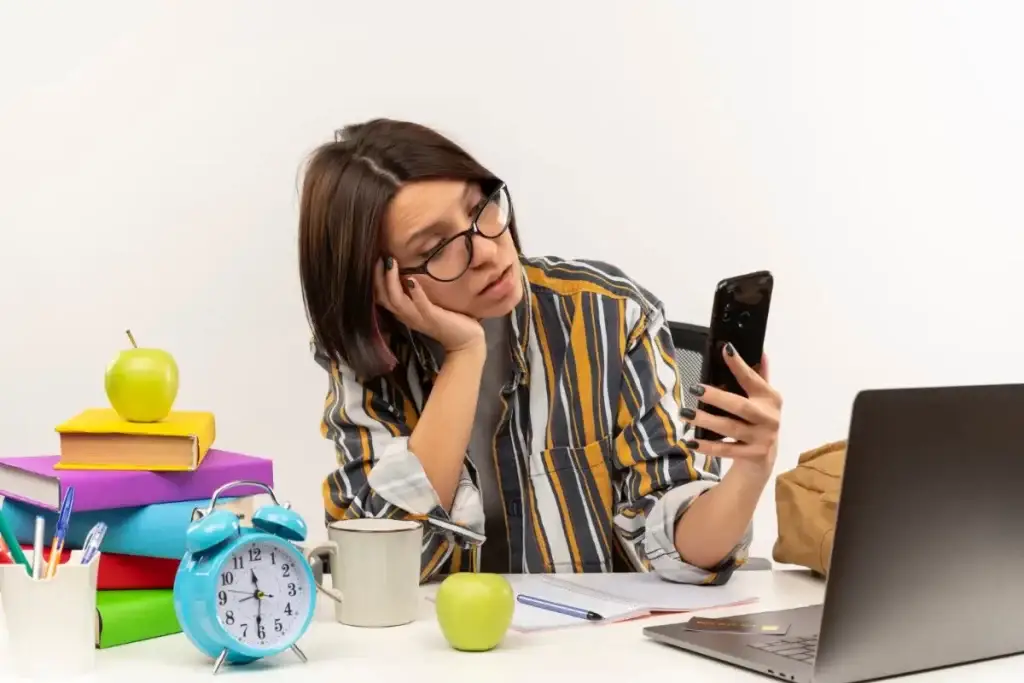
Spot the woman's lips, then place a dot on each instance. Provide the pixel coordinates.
(500, 285)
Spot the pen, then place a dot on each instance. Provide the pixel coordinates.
(37, 548)
(12, 544)
(57, 547)
(568, 610)
(93, 540)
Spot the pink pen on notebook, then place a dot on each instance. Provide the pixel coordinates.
(57, 546)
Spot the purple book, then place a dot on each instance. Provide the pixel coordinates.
(33, 480)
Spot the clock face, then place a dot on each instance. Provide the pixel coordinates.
(263, 595)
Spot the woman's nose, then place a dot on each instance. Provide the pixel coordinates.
(484, 250)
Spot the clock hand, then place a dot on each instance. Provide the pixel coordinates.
(253, 573)
(257, 596)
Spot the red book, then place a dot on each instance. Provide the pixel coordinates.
(121, 572)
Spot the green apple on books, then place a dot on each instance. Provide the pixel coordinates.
(141, 384)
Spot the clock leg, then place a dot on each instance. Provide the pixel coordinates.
(220, 661)
(299, 653)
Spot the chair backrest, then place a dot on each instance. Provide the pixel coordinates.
(690, 342)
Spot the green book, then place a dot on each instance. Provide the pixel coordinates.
(128, 616)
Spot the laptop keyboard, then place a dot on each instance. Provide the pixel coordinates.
(800, 649)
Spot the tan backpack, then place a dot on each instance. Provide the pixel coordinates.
(806, 500)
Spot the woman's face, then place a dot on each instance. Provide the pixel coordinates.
(426, 213)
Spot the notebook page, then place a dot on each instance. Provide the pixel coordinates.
(527, 618)
(649, 591)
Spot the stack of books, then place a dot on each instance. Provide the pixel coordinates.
(143, 480)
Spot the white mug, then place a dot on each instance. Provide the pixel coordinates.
(375, 570)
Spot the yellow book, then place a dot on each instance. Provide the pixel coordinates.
(98, 439)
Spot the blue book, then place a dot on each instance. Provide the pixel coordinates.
(156, 530)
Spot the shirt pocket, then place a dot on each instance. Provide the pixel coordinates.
(576, 476)
(576, 483)
(553, 460)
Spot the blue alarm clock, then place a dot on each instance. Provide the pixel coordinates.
(241, 593)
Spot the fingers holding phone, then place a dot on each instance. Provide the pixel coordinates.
(749, 424)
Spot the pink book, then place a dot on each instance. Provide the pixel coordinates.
(33, 480)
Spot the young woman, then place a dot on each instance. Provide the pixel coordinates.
(526, 409)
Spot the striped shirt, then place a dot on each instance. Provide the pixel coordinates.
(592, 468)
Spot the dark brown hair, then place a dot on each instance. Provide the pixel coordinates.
(347, 186)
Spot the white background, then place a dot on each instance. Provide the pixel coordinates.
(869, 153)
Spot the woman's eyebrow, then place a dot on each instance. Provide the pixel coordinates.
(421, 234)
(437, 227)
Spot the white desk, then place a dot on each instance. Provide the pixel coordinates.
(418, 653)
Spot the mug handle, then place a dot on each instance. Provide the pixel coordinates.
(330, 549)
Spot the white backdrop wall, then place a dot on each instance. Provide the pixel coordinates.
(867, 152)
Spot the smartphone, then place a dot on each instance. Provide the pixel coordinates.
(739, 315)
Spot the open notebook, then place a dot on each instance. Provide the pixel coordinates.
(615, 597)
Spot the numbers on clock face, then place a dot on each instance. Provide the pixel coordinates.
(262, 597)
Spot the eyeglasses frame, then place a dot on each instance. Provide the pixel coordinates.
(467, 234)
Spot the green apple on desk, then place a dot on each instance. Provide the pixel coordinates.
(142, 384)
(474, 610)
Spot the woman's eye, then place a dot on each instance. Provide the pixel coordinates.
(478, 207)
(429, 249)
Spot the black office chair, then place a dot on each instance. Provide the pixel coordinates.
(690, 343)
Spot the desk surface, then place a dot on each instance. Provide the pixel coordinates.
(418, 652)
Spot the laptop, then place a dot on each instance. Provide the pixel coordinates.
(927, 567)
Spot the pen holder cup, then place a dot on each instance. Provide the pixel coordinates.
(51, 623)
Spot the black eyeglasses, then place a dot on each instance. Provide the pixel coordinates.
(450, 259)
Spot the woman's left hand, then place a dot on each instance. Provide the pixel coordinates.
(752, 421)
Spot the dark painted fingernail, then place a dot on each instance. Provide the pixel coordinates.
(388, 262)
(696, 390)
(692, 445)
(688, 413)
(410, 284)
(730, 349)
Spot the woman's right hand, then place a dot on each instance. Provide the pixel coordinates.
(453, 331)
